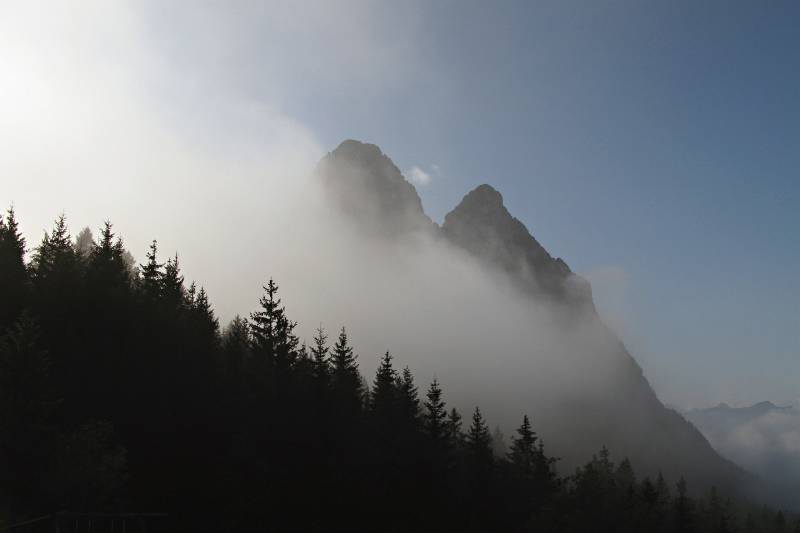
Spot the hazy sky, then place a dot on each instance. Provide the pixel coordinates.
(654, 146)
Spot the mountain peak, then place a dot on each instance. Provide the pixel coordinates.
(482, 225)
(371, 189)
(354, 148)
(485, 195)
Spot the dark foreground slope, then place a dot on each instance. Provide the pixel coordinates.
(625, 413)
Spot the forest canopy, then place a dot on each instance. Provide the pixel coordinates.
(120, 391)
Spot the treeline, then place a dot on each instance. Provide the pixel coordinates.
(119, 392)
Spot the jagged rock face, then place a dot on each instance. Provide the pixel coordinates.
(482, 225)
(371, 189)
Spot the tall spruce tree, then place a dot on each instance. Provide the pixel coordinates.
(58, 301)
(479, 440)
(57, 277)
(55, 255)
(173, 293)
(107, 270)
(523, 448)
(435, 415)
(13, 273)
(152, 273)
(346, 383)
(383, 399)
(205, 317)
(319, 356)
(408, 398)
(272, 333)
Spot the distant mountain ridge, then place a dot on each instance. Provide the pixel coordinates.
(764, 438)
(722, 416)
(630, 420)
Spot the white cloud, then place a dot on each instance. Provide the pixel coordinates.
(419, 176)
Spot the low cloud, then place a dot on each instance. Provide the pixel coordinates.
(768, 444)
(419, 176)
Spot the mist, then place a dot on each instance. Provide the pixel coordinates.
(105, 125)
(119, 122)
(433, 307)
(209, 127)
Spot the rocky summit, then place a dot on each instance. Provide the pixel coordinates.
(482, 225)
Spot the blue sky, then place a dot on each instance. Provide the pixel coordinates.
(654, 146)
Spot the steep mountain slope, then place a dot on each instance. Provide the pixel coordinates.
(482, 225)
(609, 402)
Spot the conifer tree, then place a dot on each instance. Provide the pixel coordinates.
(107, 270)
(57, 300)
(383, 396)
(274, 341)
(203, 310)
(479, 440)
(523, 448)
(319, 355)
(434, 419)
(54, 263)
(13, 273)
(173, 292)
(11, 236)
(346, 381)
(191, 295)
(480, 469)
(152, 273)
(409, 398)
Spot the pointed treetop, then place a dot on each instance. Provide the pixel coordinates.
(435, 412)
(478, 437)
(319, 354)
(409, 396)
(384, 392)
(9, 232)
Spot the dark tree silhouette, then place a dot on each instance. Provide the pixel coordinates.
(346, 384)
(14, 282)
(118, 392)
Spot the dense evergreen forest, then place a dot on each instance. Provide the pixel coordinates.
(120, 392)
